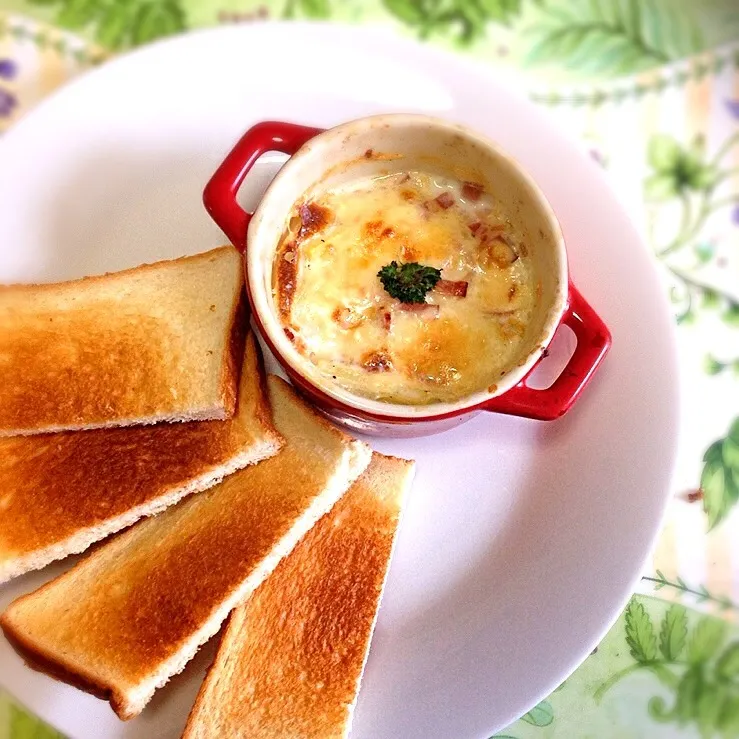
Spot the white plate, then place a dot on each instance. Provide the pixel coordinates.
(522, 540)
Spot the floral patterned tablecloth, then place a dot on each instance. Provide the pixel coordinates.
(652, 89)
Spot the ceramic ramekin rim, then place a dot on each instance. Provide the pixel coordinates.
(288, 354)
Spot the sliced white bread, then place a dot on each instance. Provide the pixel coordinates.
(161, 342)
(135, 611)
(291, 659)
(61, 492)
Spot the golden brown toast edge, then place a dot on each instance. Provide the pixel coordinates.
(37, 660)
(55, 665)
(79, 517)
(192, 727)
(87, 279)
(230, 367)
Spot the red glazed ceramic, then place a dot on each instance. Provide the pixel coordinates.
(322, 159)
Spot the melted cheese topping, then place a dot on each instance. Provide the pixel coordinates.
(334, 308)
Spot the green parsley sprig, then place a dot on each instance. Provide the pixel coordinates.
(409, 282)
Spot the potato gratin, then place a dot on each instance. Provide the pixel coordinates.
(333, 306)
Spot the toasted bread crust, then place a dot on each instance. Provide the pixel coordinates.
(131, 614)
(157, 342)
(38, 660)
(72, 286)
(262, 409)
(56, 487)
(232, 358)
(291, 657)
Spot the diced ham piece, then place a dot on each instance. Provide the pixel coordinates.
(306, 213)
(445, 200)
(490, 231)
(472, 191)
(475, 227)
(387, 318)
(455, 288)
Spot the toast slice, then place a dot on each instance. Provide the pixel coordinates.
(134, 612)
(291, 658)
(60, 493)
(160, 342)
